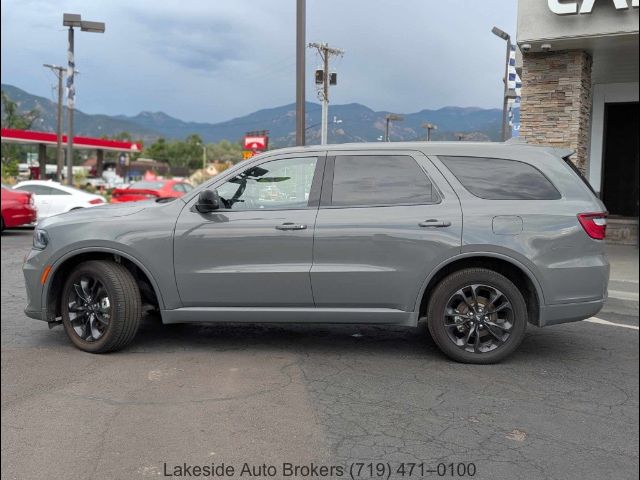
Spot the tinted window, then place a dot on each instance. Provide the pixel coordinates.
(57, 191)
(498, 179)
(271, 185)
(37, 189)
(178, 187)
(380, 180)
(187, 187)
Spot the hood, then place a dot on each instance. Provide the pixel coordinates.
(101, 212)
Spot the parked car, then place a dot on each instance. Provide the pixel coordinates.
(18, 208)
(52, 198)
(477, 239)
(150, 189)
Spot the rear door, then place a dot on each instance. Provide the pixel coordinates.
(386, 220)
(59, 201)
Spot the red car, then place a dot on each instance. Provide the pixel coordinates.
(18, 208)
(150, 189)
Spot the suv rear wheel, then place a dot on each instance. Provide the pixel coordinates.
(477, 315)
(101, 306)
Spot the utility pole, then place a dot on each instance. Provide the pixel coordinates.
(58, 72)
(325, 53)
(301, 20)
(429, 127)
(392, 117)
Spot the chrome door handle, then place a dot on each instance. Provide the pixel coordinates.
(433, 223)
(291, 226)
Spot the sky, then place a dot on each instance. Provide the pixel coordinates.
(213, 60)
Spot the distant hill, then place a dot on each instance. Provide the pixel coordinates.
(353, 123)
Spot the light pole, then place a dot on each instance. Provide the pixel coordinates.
(59, 73)
(73, 20)
(505, 103)
(429, 127)
(301, 19)
(392, 117)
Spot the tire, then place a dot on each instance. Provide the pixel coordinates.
(449, 329)
(123, 310)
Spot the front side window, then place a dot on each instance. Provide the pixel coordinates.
(278, 184)
(380, 180)
(35, 189)
(499, 179)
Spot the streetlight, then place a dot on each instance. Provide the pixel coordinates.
(73, 20)
(392, 117)
(507, 38)
(429, 127)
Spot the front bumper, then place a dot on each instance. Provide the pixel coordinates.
(32, 270)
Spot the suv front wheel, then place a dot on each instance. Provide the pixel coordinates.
(477, 315)
(101, 306)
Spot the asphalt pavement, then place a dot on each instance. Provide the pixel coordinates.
(564, 406)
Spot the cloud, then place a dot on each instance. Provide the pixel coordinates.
(209, 60)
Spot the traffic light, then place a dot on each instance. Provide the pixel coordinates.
(333, 79)
(319, 77)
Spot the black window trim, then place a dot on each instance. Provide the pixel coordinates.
(560, 197)
(314, 192)
(326, 200)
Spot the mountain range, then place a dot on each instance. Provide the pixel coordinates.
(348, 123)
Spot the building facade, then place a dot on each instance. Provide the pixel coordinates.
(579, 70)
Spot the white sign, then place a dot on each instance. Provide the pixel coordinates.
(573, 7)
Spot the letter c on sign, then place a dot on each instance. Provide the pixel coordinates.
(561, 8)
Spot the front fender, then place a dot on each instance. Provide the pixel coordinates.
(114, 251)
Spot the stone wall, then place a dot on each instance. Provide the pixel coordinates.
(556, 101)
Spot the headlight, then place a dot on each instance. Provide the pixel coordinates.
(40, 239)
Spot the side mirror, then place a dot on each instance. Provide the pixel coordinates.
(208, 201)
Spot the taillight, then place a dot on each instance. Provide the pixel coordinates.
(595, 224)
(96, 201)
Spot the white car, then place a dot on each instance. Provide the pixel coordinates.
(52, 198)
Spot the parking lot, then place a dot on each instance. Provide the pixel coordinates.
(565, 405)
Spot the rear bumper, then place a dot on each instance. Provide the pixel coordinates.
(569, 312)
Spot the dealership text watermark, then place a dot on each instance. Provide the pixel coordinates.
(353, 471)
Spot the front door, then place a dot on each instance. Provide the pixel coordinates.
(386, 220)
(255, 251)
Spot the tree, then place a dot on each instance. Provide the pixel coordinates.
(13, 118)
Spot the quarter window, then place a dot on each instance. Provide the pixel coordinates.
(499, 179)
(380, 180)
(278, 184)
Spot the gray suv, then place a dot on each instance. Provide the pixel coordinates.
(477, 239)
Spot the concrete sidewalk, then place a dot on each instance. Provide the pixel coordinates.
(623, 284)
(624, 264)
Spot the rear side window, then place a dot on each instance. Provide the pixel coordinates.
(499, 179)
(380, 180)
